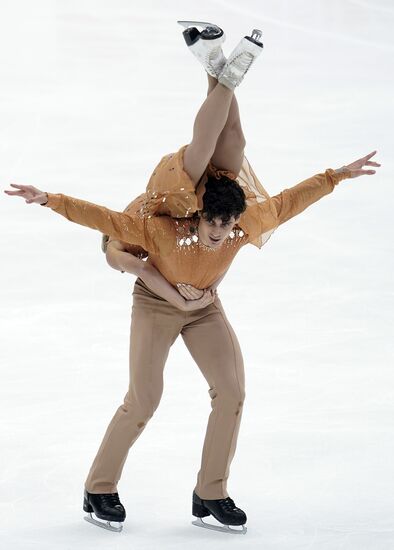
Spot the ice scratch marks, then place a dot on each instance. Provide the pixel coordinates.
(307, 30)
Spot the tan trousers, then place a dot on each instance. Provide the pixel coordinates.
(208, 335)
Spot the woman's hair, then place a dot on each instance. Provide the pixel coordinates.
(223, 198)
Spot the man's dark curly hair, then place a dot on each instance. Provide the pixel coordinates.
(223, 198)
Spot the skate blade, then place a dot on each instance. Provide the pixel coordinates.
(203, 24)
(107, 525)
(223, 529)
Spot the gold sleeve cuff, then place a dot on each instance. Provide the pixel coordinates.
(339, 175)
(54, 200)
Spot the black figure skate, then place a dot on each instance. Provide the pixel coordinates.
(223, 510)
(107, 507)
(206, 44)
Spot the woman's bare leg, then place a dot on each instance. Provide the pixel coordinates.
(229, 151)
(208, 125)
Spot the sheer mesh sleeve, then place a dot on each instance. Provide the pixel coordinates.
(170, 190)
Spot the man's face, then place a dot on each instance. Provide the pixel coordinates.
(213, 233)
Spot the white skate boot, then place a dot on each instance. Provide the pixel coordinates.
(206, 45)
(240, 60)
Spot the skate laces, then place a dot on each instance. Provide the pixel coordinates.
(214, 59)
(112, 499)
(228, 504)
(216, 56)
(243, 61)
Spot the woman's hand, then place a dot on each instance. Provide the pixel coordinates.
(208, 296)
(189, 292)
(29, 193)
(356, 166)
(195, 298)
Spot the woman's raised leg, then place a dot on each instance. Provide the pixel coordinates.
(208, 125)
(230, 145)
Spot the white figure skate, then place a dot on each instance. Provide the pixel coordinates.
(241, 59)
(206, 45)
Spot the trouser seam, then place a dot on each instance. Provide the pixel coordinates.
(236, 377)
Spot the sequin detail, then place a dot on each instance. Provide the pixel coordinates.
(187, 236)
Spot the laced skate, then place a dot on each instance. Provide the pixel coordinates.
(205, 45)
(223, 510)
(106, 507)
(241, 59)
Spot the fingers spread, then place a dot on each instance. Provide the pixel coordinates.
(366, 172)
(17, 186)
(13, 192)
(370, 155)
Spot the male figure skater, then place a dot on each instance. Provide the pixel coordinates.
(202, 205)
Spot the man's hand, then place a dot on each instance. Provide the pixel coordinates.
(356, 166)
(29, 193)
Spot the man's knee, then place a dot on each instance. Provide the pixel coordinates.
(230, 398)
(142, 405)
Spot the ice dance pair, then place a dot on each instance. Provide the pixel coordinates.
(202, 205)
(205, 42)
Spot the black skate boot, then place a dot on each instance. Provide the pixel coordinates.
(106, 506)
(210, 31)
(223, 510)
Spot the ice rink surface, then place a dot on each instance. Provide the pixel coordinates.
(92, 94)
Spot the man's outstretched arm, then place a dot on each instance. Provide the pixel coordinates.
(130, 228)
(280, 208)
(291, 202)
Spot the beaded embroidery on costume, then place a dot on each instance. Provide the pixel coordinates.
(187, 235)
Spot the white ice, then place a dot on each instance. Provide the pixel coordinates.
(92, 94)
